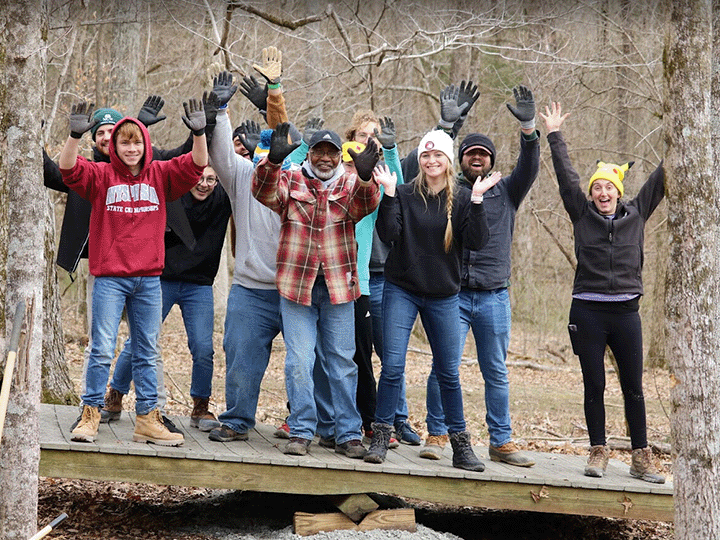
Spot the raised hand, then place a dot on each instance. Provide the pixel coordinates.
(386, 135)
(366, 160)
(280, 148)
(524, 109)
(148, 114)
(211, 103)
(223, 87)
(81, 119)
(450, 108)
(249, 135)
(271, 68)
(554, 117)
(385, 178)
(194, 117)
(481, 185)
(467, 93)
(312, 126)
(256, 93)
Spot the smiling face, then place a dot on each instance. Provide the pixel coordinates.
(102, 138)
(605, 196)
(476, 162)
(434, 163)
(324, 159)
(206, 185)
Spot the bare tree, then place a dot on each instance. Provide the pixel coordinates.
(693, 287)
(23, 26)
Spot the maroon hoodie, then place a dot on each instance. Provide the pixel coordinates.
(127, 223)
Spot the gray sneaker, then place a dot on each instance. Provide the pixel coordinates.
(352, 449)
(297, 446)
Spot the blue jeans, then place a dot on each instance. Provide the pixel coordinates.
(196, 305)
(251, 323)
(441, 319)
(377, 283)
(142, 298)
(330, 327)
(487, 313)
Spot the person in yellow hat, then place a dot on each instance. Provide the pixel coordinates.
(606, 292)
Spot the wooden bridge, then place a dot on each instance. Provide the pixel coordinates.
(555, 484)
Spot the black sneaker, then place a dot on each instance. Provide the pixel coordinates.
(226, 434)
(171, 427)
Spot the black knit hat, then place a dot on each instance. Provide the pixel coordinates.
(476, 139)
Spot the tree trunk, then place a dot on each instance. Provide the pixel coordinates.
(22, 253)
(693, 292)
(126, 52)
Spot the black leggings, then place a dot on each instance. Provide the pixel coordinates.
(616, 324)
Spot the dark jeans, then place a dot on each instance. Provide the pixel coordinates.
(593, 325)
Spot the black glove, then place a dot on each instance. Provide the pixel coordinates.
(194, 117)
(223, 87)
(257, 94)
(524, 109)
(249, 135)
(81, 119)
(210, 102)
(386, 135)
(280, 148)
(366, 160)
(313, 125)
(148, 114)
(450, 108)
(468, 93)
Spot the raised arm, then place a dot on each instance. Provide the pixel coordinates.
(81, 120)
(194, 119)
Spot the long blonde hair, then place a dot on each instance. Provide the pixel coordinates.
(421, 187)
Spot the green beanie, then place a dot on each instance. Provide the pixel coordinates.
(105, 116)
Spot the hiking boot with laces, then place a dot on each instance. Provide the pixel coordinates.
(643, 466)
(367, 438)
(509, 453)
(226, 434)
(434, 446)
(87, 428)
(379, 444)
(597, 462)
(297, 446)
(113, 406)
(149, 428)
(406, 434)
(200, 417)
(353, 449)
(463, 455)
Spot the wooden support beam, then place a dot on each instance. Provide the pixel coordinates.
(355, 506)
(399, 519)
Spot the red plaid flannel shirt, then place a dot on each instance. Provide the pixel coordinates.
(318, 228)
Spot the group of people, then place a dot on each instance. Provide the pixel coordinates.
(339, 245)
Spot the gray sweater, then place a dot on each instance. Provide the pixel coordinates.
(257, 228)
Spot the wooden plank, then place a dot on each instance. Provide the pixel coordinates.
(354, 506)
(306, 524)
(398, 519)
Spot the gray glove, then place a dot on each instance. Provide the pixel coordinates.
(223, 87)
(450, 108)
(468, 93)
(386, 135)
(194, 117)
(524, 109)
(312, 126)
(81, 119)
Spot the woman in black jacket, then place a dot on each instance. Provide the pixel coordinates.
(609, 235)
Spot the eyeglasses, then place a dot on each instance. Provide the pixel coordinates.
(332, 154)
(209, 180)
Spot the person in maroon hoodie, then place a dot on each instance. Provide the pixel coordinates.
(126, 254)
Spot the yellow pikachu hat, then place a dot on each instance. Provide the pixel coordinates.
(612, 172)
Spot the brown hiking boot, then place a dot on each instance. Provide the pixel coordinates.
(597, 462)
(149, 428)
(434, 446)
(643, 466)
(200, 417)
(113, 406)
(509, 453)
(87, 427)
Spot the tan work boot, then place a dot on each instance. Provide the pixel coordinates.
(643, 466)
(434, 446)
(598, 460)
(113, 406)
(200, 417)
(149, 428)
(509, 453)
(87, 427)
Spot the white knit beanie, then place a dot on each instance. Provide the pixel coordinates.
(437, 140)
